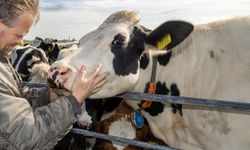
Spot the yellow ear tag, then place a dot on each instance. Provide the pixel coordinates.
(164, 41)
(49, 49)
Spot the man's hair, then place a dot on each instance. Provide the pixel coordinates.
(11, 10)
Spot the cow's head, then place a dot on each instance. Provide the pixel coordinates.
(25, 58)
(118, 44)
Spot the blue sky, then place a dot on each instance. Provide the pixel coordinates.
(63, 19)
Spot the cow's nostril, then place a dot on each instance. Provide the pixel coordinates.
(65, 71)
(50, 69)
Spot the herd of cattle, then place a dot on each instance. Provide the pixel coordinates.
(205, 61)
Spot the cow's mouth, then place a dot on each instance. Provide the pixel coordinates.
(57, 77)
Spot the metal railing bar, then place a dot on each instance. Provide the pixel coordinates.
(212, 103)
(120, 139)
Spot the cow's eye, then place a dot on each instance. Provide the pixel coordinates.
(119, 40)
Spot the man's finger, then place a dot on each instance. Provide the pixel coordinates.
(100, 84)
(96, 90)
(82, 72)
(100, 77)
(96, 71)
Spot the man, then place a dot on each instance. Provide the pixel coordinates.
(23, 126)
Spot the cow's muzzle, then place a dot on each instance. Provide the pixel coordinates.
(57, 76)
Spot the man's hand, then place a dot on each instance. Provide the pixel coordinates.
(83, 87)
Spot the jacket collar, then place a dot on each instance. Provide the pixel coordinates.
(3, 58)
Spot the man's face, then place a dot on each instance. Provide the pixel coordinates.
(11, 36)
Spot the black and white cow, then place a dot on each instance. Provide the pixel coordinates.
(31, 63)
(212, 62)
(52, 47)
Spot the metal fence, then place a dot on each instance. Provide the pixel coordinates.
(206, 103)
(220, 105)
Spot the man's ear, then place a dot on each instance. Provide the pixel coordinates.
(169, 34)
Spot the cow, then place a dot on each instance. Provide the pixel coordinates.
(119, 123)
(31, 63)
(205, 61)
(52, 47)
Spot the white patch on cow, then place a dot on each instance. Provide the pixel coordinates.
(122, 128)
(67, 45)
(107, 115)
(84, 118)
(39, 73)
(32, 60)
(65, 51)
(37, 42)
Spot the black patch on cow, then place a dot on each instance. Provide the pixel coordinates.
(211, 54)
(53, 54)
(164, 59)
(51, 81)
(178, 30)
(144, 61)
(175, 92)
(19, 53)
(108, 105)
(46, 46)
(156, 107)
(126, 56)
(55, 75)
(51, 49)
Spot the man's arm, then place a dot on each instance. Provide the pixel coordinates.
(26, 128)
(37, 94)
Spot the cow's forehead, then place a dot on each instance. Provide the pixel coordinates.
(121, 21)
(106, 34)
(130, 17)
(95, 47)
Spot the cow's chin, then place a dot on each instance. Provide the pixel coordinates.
(102, 94)
(117, 88)
(68, 85)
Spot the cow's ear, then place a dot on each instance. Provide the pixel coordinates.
(169, 34)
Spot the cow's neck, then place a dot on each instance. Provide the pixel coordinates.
(199, 64)
(198, 67)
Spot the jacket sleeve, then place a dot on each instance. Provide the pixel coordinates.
(26, 128)
(36, 94)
